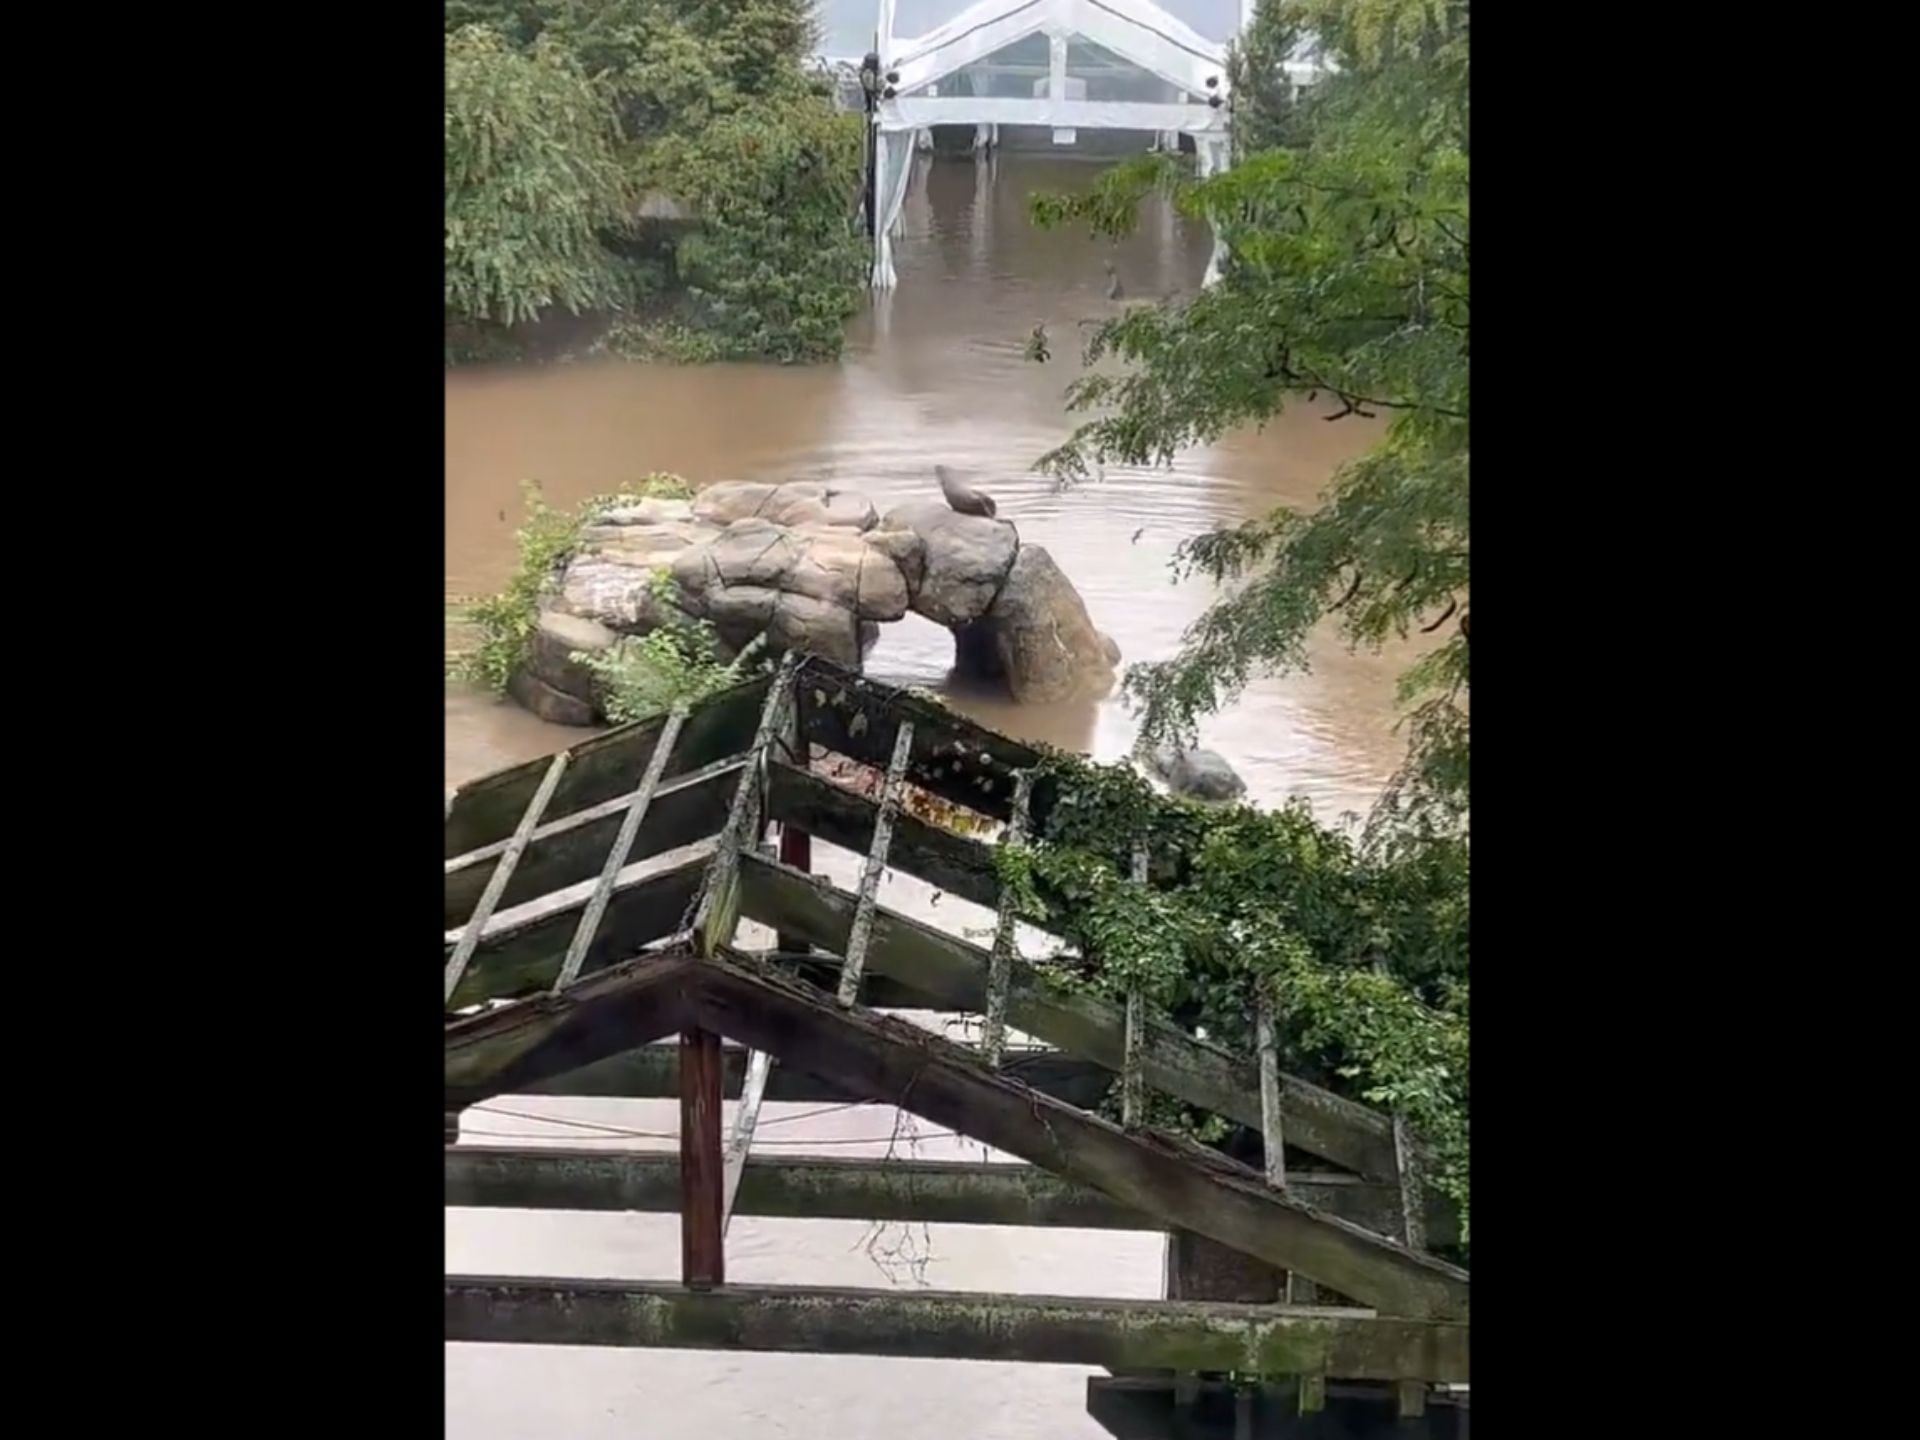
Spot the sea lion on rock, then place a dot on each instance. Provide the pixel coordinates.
(963, 498)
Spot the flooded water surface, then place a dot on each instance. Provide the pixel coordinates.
(933, 372)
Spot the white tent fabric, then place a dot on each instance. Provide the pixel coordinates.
(918, 113)
(1138, 30)
(1152, 66)
(1215, 20)
(848, 29)
(1213, 156)
(1150, 72)
(894, 152)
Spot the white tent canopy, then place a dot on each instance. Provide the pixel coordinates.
(848, 29)
(1145, 40)
(1061, 65)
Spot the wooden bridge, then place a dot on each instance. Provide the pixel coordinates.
(594, 901)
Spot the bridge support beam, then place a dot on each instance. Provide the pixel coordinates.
(1058, 1330)
(703, 1262)
(940, 1192)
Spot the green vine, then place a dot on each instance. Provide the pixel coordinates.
(547, 540)
(646, 675)
(1363, 944)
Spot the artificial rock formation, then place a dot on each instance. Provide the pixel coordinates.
(815, 569)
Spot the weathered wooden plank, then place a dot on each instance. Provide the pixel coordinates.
(1144, 1407)
(1313, 1394)
(796, 843)
(719, 904)
(519, 1045)
(703, 1250)
(602, 767)
(1406, 1160)
(745, 1121)
(502, 874)
(993, 1031)
(1133, 1084)
(588, 927)
(647, 905)
(1176, 1182)
(867, 898)
(1413, 1196)
(796, 849)
(1124, 1334)
(1409, 1399)
(1272, 1127)
(650, 1072)
(954, 974)
(839, 816)
(944, 1192)
(952, 757)
(567, 851)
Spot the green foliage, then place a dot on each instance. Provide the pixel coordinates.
(1347, 221)
(1363, 945)
(532, 181)
(672, 65)
(774, 268)
(666, 339)
(1267, 112)
(1348, 278)
(643, 676)
(520, 21)
(712, 107)
(547, 540)
(656, 68)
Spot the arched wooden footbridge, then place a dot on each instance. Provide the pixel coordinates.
(594, 901)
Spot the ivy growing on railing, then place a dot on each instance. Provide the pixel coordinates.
(1363, 945)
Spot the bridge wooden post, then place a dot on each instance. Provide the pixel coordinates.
(1203, 1269)
(796, 849)
(796, 845)
(702, 1205)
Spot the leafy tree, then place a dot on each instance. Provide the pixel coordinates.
(1348, 278)
(714, 108)
(1364, 949)
(759, 40)
(721, 116)
(712, 55)
(532, 181)
(775, 266)
(1267, 113)
(660, 72)
(519, 21)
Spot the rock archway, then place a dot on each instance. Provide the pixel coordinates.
(816, 569)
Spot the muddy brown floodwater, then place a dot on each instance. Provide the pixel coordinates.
(933, 372)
